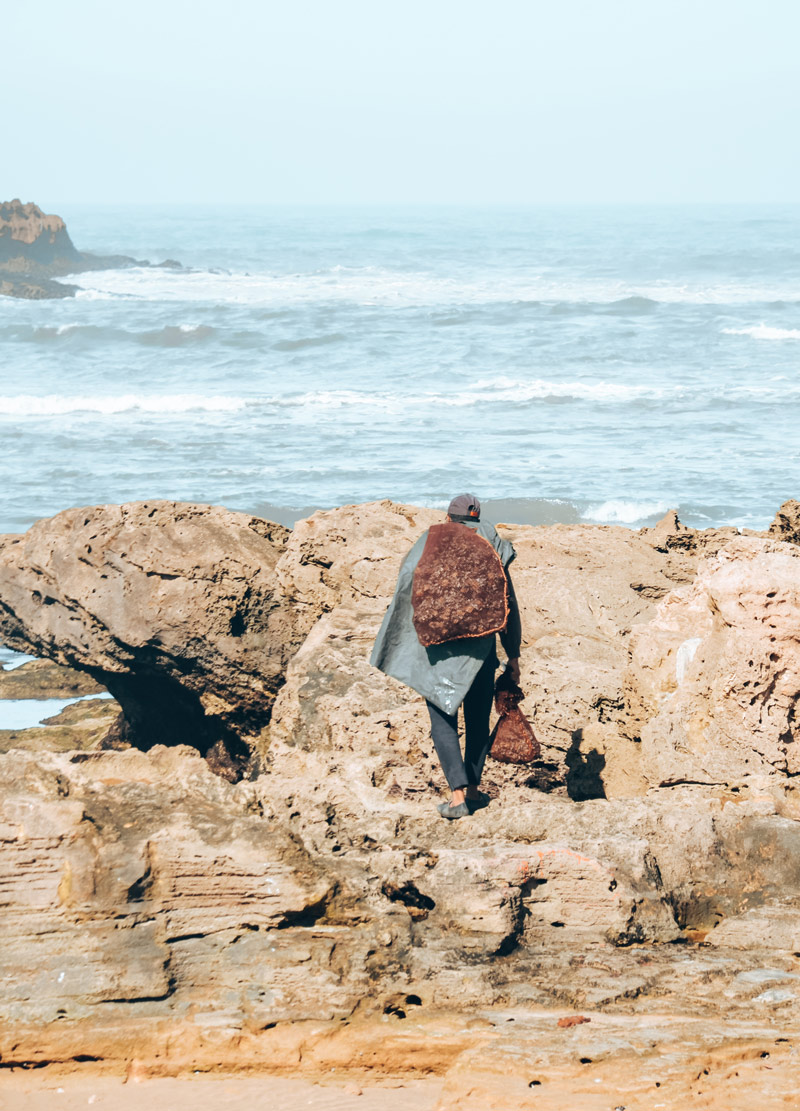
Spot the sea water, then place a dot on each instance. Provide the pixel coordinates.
(598, 364)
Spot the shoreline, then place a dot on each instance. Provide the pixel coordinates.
(630, 514)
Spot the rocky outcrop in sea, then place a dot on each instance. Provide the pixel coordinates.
(36, 248)
(247, 870)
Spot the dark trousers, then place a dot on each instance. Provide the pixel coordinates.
(467, 770)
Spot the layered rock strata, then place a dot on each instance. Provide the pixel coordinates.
(111, 591)
(155, 913)
(36, 248)
(319, 914)
(26, 233)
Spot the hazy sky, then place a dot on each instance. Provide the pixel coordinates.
(424, 100)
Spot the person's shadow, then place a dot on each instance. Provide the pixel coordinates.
(583, 776)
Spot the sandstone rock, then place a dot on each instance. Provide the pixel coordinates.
(169, 606)
(126, 877)
(763, 927)
(322, 916)
(35, 248)
(82, 726)
(154, 912)
(26, 232)
(624, 1063)
(159, 625)
(35, 289)
(581, 589)
(45, 679)
(786, 525)
(714, 679)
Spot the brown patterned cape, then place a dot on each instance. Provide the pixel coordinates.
(460, 589)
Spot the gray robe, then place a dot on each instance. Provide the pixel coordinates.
(442, 673)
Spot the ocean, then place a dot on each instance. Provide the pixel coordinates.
(563, 363)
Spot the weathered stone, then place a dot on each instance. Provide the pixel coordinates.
(45, 679)
(35, 248)
(581, 589)
(82, 726)
(786, 525)
(26, 232)
(628, 1063)
(169, 606)
(117, 868)
(714, 679)
(153, 911)
(322, 915)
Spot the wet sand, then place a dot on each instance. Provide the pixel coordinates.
(35, 1090)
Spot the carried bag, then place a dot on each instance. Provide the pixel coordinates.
(513, 740)
(460, 588)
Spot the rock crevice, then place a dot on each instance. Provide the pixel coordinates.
(644, 871)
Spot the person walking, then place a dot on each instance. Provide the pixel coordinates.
(447, 585)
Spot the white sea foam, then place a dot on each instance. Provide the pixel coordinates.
(49, 331)
(763, 331)
(51, 405)
(511, 389)
(621, 512)
(381, 286)
(482, 392)
(95, 294)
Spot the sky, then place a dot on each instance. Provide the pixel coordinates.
(428, 101)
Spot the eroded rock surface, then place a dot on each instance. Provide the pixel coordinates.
(155, 913)
(27, 233)
(581, 589)
(45, 679)
(645, 874)
(786, 525)
(196, 618)
(36, 247)
(171, 607)
(714, 679)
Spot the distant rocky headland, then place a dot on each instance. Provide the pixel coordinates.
(35, 249)
(237, 862)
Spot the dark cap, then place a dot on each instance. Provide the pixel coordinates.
(465, 505)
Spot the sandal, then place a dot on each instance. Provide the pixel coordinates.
(448, 811)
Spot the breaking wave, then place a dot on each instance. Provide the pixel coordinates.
(541, 389)
(169, 335)
(176, 335)
(381, 286)
(621, 512)
(508, 393)
(52, 405)
(763, 331)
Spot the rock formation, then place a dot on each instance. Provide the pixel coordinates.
(786, 525)
(26, 233)
(35, 248)
(45, 679)
(714, 679)
(153, 911)
(112, 590)
(318, 914)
